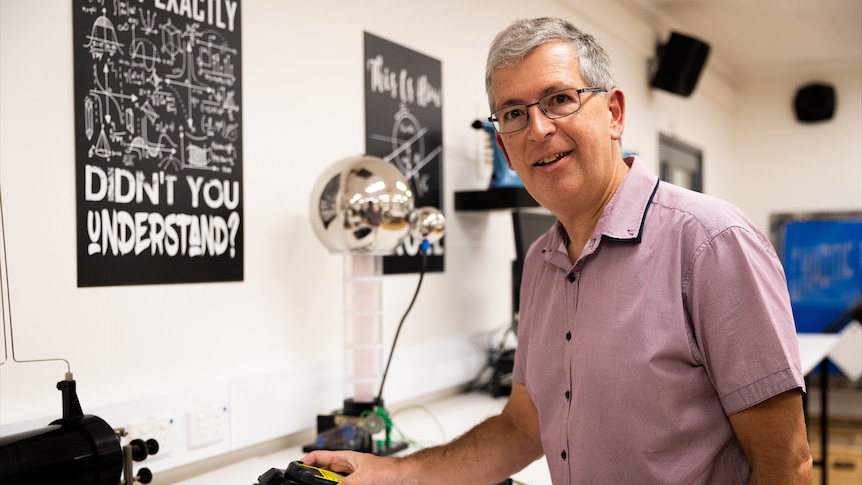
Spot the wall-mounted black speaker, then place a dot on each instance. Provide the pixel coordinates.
(680, 62)
(814, 102)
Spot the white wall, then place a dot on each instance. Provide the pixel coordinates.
(781, 165)
(269, 346)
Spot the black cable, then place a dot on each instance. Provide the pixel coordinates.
(491, 360)
(852, 312)
(424, 253)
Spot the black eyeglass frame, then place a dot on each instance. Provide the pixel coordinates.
(496, 121)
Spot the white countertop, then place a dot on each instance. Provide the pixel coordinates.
(429, 424)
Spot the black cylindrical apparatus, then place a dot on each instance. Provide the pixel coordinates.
(75, 451)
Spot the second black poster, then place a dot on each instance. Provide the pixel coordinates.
(404, 126)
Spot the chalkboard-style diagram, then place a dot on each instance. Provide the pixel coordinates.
(103, 38)
(407, 142)
(158, 141)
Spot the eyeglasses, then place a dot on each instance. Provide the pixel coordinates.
(555, 105)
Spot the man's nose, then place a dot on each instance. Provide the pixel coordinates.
(538, 121)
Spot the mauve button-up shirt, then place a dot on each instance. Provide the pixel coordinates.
(675, 316)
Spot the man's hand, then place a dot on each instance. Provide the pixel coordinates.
(488, 453)
(362, 468)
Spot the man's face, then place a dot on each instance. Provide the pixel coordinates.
(568, 160)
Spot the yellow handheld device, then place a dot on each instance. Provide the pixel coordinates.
(311, 475)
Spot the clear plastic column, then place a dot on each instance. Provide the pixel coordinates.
(363, 326)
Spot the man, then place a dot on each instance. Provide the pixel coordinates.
(656, 342)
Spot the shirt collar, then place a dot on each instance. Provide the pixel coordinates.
(624, 216)
(621, 220)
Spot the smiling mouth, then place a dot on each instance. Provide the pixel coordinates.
(551, 159)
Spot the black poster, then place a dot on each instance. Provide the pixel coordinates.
(404, 126)
(158, 137)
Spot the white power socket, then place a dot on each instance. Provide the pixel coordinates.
(159, 428)
(208, 425)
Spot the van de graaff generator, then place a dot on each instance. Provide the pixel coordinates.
(362, 207)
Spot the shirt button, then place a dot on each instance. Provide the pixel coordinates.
(571, 277)
(568, 395)
(568, 336)
(563, 454)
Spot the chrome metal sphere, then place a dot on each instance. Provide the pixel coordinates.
(427, 223)
(361, 205)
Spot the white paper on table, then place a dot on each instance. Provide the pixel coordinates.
(847, 353)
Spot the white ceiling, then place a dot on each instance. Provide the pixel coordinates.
(757, 38)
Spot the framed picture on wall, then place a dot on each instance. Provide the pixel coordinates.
(680, 163)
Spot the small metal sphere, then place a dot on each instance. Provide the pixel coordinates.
(427, 223)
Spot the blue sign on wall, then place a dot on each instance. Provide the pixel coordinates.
(823, 263)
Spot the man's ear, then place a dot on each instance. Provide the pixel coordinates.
(503, 148)
(617, 107)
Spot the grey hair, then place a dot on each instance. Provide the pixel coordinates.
(522, 37)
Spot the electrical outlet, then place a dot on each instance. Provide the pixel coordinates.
(208, 425)
(160, 428)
